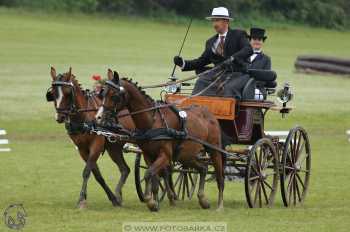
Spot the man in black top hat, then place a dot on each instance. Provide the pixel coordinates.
(220, 47)
(258, 60)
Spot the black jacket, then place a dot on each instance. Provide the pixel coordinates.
(261, 61)
(236, 44)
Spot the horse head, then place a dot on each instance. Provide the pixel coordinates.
(114, 98)
(62, 94)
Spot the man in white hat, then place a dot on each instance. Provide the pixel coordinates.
(224, 44)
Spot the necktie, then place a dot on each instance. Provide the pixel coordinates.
(220, 48)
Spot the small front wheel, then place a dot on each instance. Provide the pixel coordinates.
(261, 179)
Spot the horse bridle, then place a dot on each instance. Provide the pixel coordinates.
(72, 109)
(115, 98)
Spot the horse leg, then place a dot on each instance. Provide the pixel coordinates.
(217, 160)
(169, 186)
(101, 181)
(91, 165)
(160, 163)
(116, 154)
(82, 203)
(203, 201)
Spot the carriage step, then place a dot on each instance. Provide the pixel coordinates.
(240, 151)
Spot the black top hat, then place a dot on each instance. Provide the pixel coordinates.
(257, 33)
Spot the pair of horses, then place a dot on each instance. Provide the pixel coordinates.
(120, 97)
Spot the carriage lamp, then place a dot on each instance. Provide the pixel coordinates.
(173, 88)
(284, 96)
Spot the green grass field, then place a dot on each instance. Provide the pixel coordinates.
(44, 170)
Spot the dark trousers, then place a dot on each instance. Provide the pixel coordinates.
(232, 83)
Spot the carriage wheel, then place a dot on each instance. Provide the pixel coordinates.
(261, 178)
(296, 166)
(185, 182)
(140, 169)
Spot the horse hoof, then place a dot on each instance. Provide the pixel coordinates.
(82, 205)
(220, 209)
(116, 202)
(204, 203)
(153, 206)
(172, 203)
(119, 197)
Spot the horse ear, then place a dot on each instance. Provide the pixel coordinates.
(116, 76)
(110, 74)
(53, 73)
(70, 73)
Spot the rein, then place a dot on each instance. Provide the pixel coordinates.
(113, 85)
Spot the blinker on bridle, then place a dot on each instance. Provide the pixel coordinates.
(50, 98)
(115, 98)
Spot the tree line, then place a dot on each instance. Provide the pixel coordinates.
(324, 13)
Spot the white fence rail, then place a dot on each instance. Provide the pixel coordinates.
(4, 142)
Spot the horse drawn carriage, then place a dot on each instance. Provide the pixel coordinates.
(265, 162)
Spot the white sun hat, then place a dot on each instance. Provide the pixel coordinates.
(220, 13)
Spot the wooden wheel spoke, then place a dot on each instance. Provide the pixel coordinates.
(297, 145)
(289, 168)
(300, 150)
(290, 181)
(265, 194)
(300, 180)
(184, 186)
(144, 167)
(257, 192)
(301, 161)
(253, 186)
(178, 178)
(303, 170)
(254, 178)
(268, 185)
(257, 163)
(290, 188)
(180, 184)
(298, 190)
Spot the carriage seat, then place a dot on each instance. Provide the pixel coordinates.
(263, 80)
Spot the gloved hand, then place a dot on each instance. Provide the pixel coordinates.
(178, 61)
(228, 62)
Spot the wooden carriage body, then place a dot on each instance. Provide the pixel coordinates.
(243, 121)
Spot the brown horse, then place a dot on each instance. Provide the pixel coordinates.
(75, 106)
(200, 123)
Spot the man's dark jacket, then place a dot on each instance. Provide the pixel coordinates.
(261, 61)
(236, 44)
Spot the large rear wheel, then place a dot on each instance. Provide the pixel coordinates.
(296, 167)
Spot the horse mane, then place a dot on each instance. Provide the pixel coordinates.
(135, 84)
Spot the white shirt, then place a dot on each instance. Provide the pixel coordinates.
(256, 53)
(217, 42)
